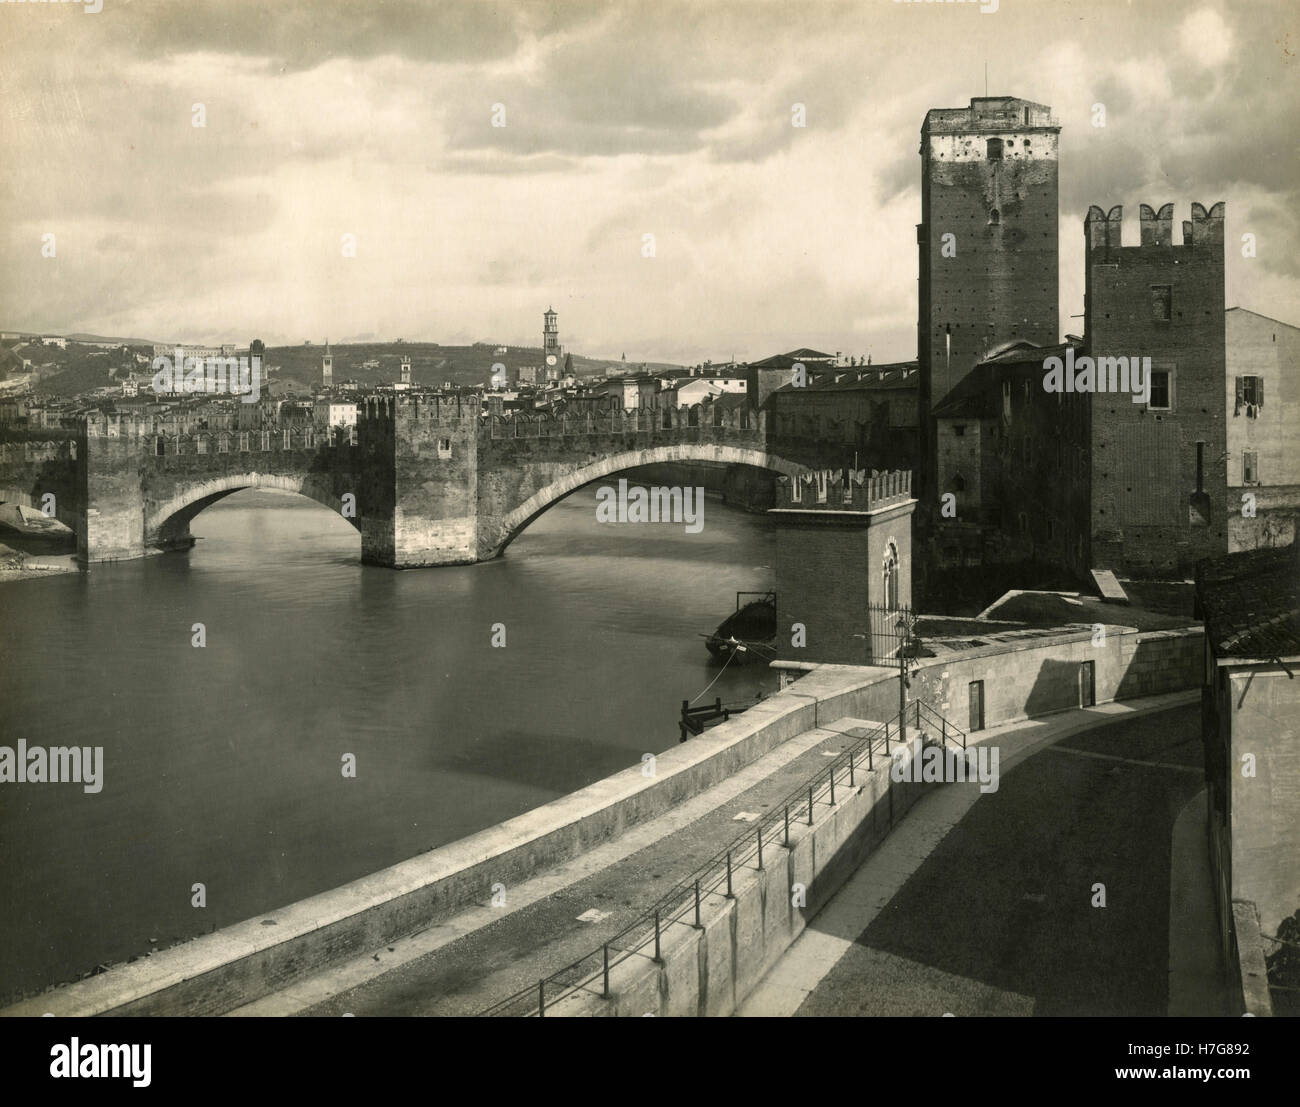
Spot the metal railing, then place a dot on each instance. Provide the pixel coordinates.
(930, 721)
(682, 904)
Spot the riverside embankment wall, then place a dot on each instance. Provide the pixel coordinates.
(240, 963)
(710, 969)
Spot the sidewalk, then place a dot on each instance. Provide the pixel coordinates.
(915, 987)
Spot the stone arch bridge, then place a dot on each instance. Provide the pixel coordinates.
(427, 481)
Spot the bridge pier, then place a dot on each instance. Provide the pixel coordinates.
(418, 502)
(111, 503)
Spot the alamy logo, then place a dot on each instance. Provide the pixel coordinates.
(82, 765)
(651, 505)
(1106, 374)
(112, 1061)
(945, 765)
(240, 376)
(986, 6)
(91, 7)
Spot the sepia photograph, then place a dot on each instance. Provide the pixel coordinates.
(700, 508)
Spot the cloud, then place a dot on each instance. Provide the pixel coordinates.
(1206, 38)
(375, 119)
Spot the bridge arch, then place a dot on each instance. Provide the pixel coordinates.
(167, 522)
(514, 522)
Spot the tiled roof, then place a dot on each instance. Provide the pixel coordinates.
(1250, 602)
(785, 361)
(807, 354)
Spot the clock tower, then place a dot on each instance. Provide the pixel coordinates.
(552, 351)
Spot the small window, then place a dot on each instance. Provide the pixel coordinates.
(995, 149)
(444, 448)
(1161, 302)
(1006, 400)
(1250, 468)
(1162, 390)
(995, 217)
(1250, 397)
(957, 484)
(959, 430)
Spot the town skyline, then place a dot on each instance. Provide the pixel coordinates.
(619, 122)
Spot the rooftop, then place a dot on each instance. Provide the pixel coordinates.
(976, 397)
(1250, 602)
(989, 113)
(860, 378)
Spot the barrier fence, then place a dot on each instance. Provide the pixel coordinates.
(681, 906)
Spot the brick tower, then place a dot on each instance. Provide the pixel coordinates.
(552, 351)
(988, 180)
(1159, 492)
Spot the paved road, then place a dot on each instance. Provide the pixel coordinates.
(998, 918)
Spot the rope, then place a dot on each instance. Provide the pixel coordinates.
(720, 672)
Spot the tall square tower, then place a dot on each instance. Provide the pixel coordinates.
(552, 351)
(1159, 496)
(987, 239)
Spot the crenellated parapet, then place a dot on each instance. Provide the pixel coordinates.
(1103, 230)
(653, 422)
(844, 490)
(30, 450)
(438, 410)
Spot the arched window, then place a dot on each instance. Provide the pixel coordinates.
(995, 217)
(890, 576)
(957, 484)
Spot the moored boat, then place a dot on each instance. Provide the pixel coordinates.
(748, 634)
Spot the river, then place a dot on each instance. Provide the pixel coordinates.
(223, 765)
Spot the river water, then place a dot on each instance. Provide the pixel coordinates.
(223, 764)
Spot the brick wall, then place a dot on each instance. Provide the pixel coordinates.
(1144, 461)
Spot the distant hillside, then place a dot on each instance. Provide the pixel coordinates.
(80, 368)
(84, 337)
(431, 363)
(109, 338)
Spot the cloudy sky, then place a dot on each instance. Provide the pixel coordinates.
(374, 119)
